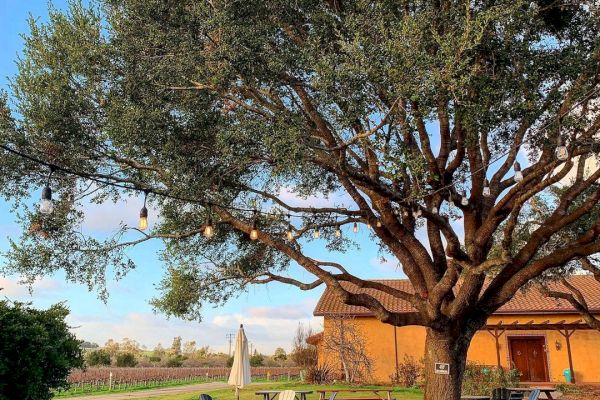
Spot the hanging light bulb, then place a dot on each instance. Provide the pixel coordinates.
(338, 232)
(417, 212)
(143, 222)
(209, 230)
(451, 202)
(378, 224)
(355, 228)
(254, 231)
(434, 209)
(369, 226)
(486, 189)
(289, 234)
(46, 205)
(562, 153)
(464, 200)
(316, 234)
(518, 173)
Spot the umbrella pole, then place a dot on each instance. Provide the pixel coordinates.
(237, 392)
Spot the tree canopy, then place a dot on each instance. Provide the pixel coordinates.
(38, 351)
(437, 122)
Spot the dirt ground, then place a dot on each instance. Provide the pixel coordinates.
(583, 392)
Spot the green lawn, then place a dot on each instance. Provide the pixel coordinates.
(248, 393)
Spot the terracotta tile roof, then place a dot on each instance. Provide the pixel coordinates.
(524, 302)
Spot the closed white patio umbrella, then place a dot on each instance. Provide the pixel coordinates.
(240, 370)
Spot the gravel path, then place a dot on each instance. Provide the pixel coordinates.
(143, 394)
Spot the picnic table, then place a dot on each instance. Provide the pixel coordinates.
(377, 394)
(546, 390)
(270, 394)
(475, 397)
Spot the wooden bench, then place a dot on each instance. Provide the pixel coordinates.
(377, 396)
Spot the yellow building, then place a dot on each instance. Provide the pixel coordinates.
(537, 335)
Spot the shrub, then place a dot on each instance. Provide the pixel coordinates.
(175, 362)
(257, 360)
(481, 379)
(126, 360)
(319, 374)
(408, 372)
(97, 357)
(37, 351)
(154, 359)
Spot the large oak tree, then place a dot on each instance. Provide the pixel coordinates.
(416, 111)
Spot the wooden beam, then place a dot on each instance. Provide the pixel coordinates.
(568, 339)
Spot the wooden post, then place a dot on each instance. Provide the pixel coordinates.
(496, 333)
(396, 351)
(567, 336)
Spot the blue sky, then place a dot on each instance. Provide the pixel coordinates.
(270, 313)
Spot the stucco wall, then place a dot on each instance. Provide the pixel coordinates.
(585, 346)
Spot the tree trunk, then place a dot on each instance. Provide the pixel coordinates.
(446, 347)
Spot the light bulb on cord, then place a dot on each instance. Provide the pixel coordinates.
(434, 210)
(486, 189)
(209, 230)
(562, 153)
(46, 204)
(338, 232)
(289, 234)
(518, 173)
(355, 228)
(254, 231)
(143, 222)
(464, 200)
(378, 224)
(316, 234)
(417, 212)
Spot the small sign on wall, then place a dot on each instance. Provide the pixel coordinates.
(442, 368)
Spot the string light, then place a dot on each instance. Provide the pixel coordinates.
(209, 230)
(289, 234)
(562, 153)
(518, 173)
(378, 224)
(434, 210)
(417, 212)
(254, 231)
(338, 232)
(464, 200)
(355, 228)
(369, 226)
(316, 234)
(486, 189)
(143, 222)
(46, 204)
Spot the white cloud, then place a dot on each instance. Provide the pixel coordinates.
(266, 327)
(44, 287)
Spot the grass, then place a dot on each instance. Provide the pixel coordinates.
(75, 392)
(248, 393)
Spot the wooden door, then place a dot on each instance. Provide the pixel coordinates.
(528, 355)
